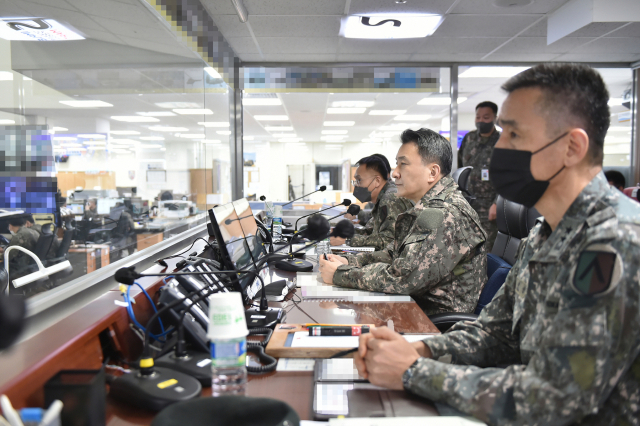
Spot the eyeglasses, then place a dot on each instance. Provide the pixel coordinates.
(358, 182)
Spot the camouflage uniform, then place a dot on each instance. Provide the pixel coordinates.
(438, 256)
(19, 262)
(475, 151)
(566, 326)
(379, 230)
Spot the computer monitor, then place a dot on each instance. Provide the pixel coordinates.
(249, 227)
(76, 209)
(106, 204)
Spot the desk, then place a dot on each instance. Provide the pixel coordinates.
(147, 240)
(93, 253)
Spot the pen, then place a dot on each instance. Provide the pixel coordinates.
(325, 257)
(343, 353)
(331, 325)
(338, 331)
(12, 415)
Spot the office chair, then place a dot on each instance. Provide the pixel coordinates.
(461, 177)
(118, 240)
(61, 256)
(43, 245)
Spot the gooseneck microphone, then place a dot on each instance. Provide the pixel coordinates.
(353, 210)
(346, 202)
(321, 189)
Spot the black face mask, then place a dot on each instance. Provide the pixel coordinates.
(484, 128)
(362, 193)
(510, 174)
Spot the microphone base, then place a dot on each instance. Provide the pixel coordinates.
(294, 265)
(156, 391)
(269, 318)
(196, 364)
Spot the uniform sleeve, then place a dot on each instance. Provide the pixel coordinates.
(572, 370)
(388, 212)
(424, 260)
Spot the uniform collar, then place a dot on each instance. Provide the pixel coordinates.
(440, 190)
(550, 249)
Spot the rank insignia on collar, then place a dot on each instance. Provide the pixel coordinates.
(595, 272)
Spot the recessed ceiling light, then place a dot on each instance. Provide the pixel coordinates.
(7, 122)
(6, 75)
(134, 119)
(177, 105)
(389, 26)
(352, 104)
(346, 110)
(212, 72)
(167, 129)
(439, 100)
(214, 123)
(123, 132)
(387, 111)
(491, 72)
(210, 141)
(278, 128)
(261, 101)
(192, 135)
(334, 132)
(193, 111)
(411, 117)
(271, 117)
(151, 138)
(156, 114)
(36, 29)
(247, 138)
(86, 104)
(338, 123)
(92, 136)
(224, 132)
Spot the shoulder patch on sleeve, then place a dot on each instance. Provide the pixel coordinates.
(430, 218)
(598, 270)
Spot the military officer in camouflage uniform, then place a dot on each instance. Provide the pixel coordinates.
(438, 255)
(372, 183)
(565, 323)
(475, 151)
(24, 237)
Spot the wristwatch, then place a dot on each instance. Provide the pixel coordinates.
(408, 374)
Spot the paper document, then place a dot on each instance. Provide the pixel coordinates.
(349, 248)
(403, 421)
(301, 339)
(295, 364)
(310, 292)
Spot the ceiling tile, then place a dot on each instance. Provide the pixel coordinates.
(483, 25)
(596, 29)
(72, 17)
(159, 47)
(538, 30)
(62, 4)
(600, 57)
(242, 45)
(247, 57)
(389, 6)
(294, 7)
(230, 26)
(611, 45)
(298, 45)
(631, 30)
(217, 7)
(133, 13)
(354, 45)
(12, 9)
(295, 26)
(535, 45)
(369, 57)
(273, 57)
(521, 57)
(461, 45)
(159, 34)
(446, 57)
(486, 7)
(101, 35)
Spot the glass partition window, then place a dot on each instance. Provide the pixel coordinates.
(110, 159)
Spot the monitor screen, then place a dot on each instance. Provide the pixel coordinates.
(76, 208)
(231, 238)
(249, 227)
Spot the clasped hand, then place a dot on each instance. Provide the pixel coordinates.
(328, 267)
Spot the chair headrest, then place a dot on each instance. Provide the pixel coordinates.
(515, 219)
(461, 177)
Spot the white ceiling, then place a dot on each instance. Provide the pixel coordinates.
(472, 31)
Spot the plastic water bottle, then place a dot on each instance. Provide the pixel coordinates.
(323, 247)
(269, 209)
(228, 366)
(277, 223)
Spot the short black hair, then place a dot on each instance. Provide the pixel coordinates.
(378, 163)
(488, 104)
(16, 221)
(572, 95)
(432, 147)
(29, 218)
(617, 178)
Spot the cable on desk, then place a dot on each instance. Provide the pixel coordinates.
(302, 310)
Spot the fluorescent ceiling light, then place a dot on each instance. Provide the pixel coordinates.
(193, 111)
(491, 72)
(95, 143)
(36, 29)
(59, 129)
(168, 129)
(224, 132)
(247, 138)
(7, 122)
(389, 26)
(352, 104)
(151, 138)
(338, 123)
(150, 145)
(387, 111)
(192, 135)
(6, 75)
(439, 100)
(211, 141)
(334, 132)
(156, 114)
(134, 119)
(92, 136)
(412, 117)
(212, 72)
(86, 104)
(64, 138)
(278, 128)
(261, 101)
(332, 138)
(284, 135)
(123, 141)
(214, 123)
(122, 132)
(271, 117)
(346, 110)
(177, 105)
(290, 140)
